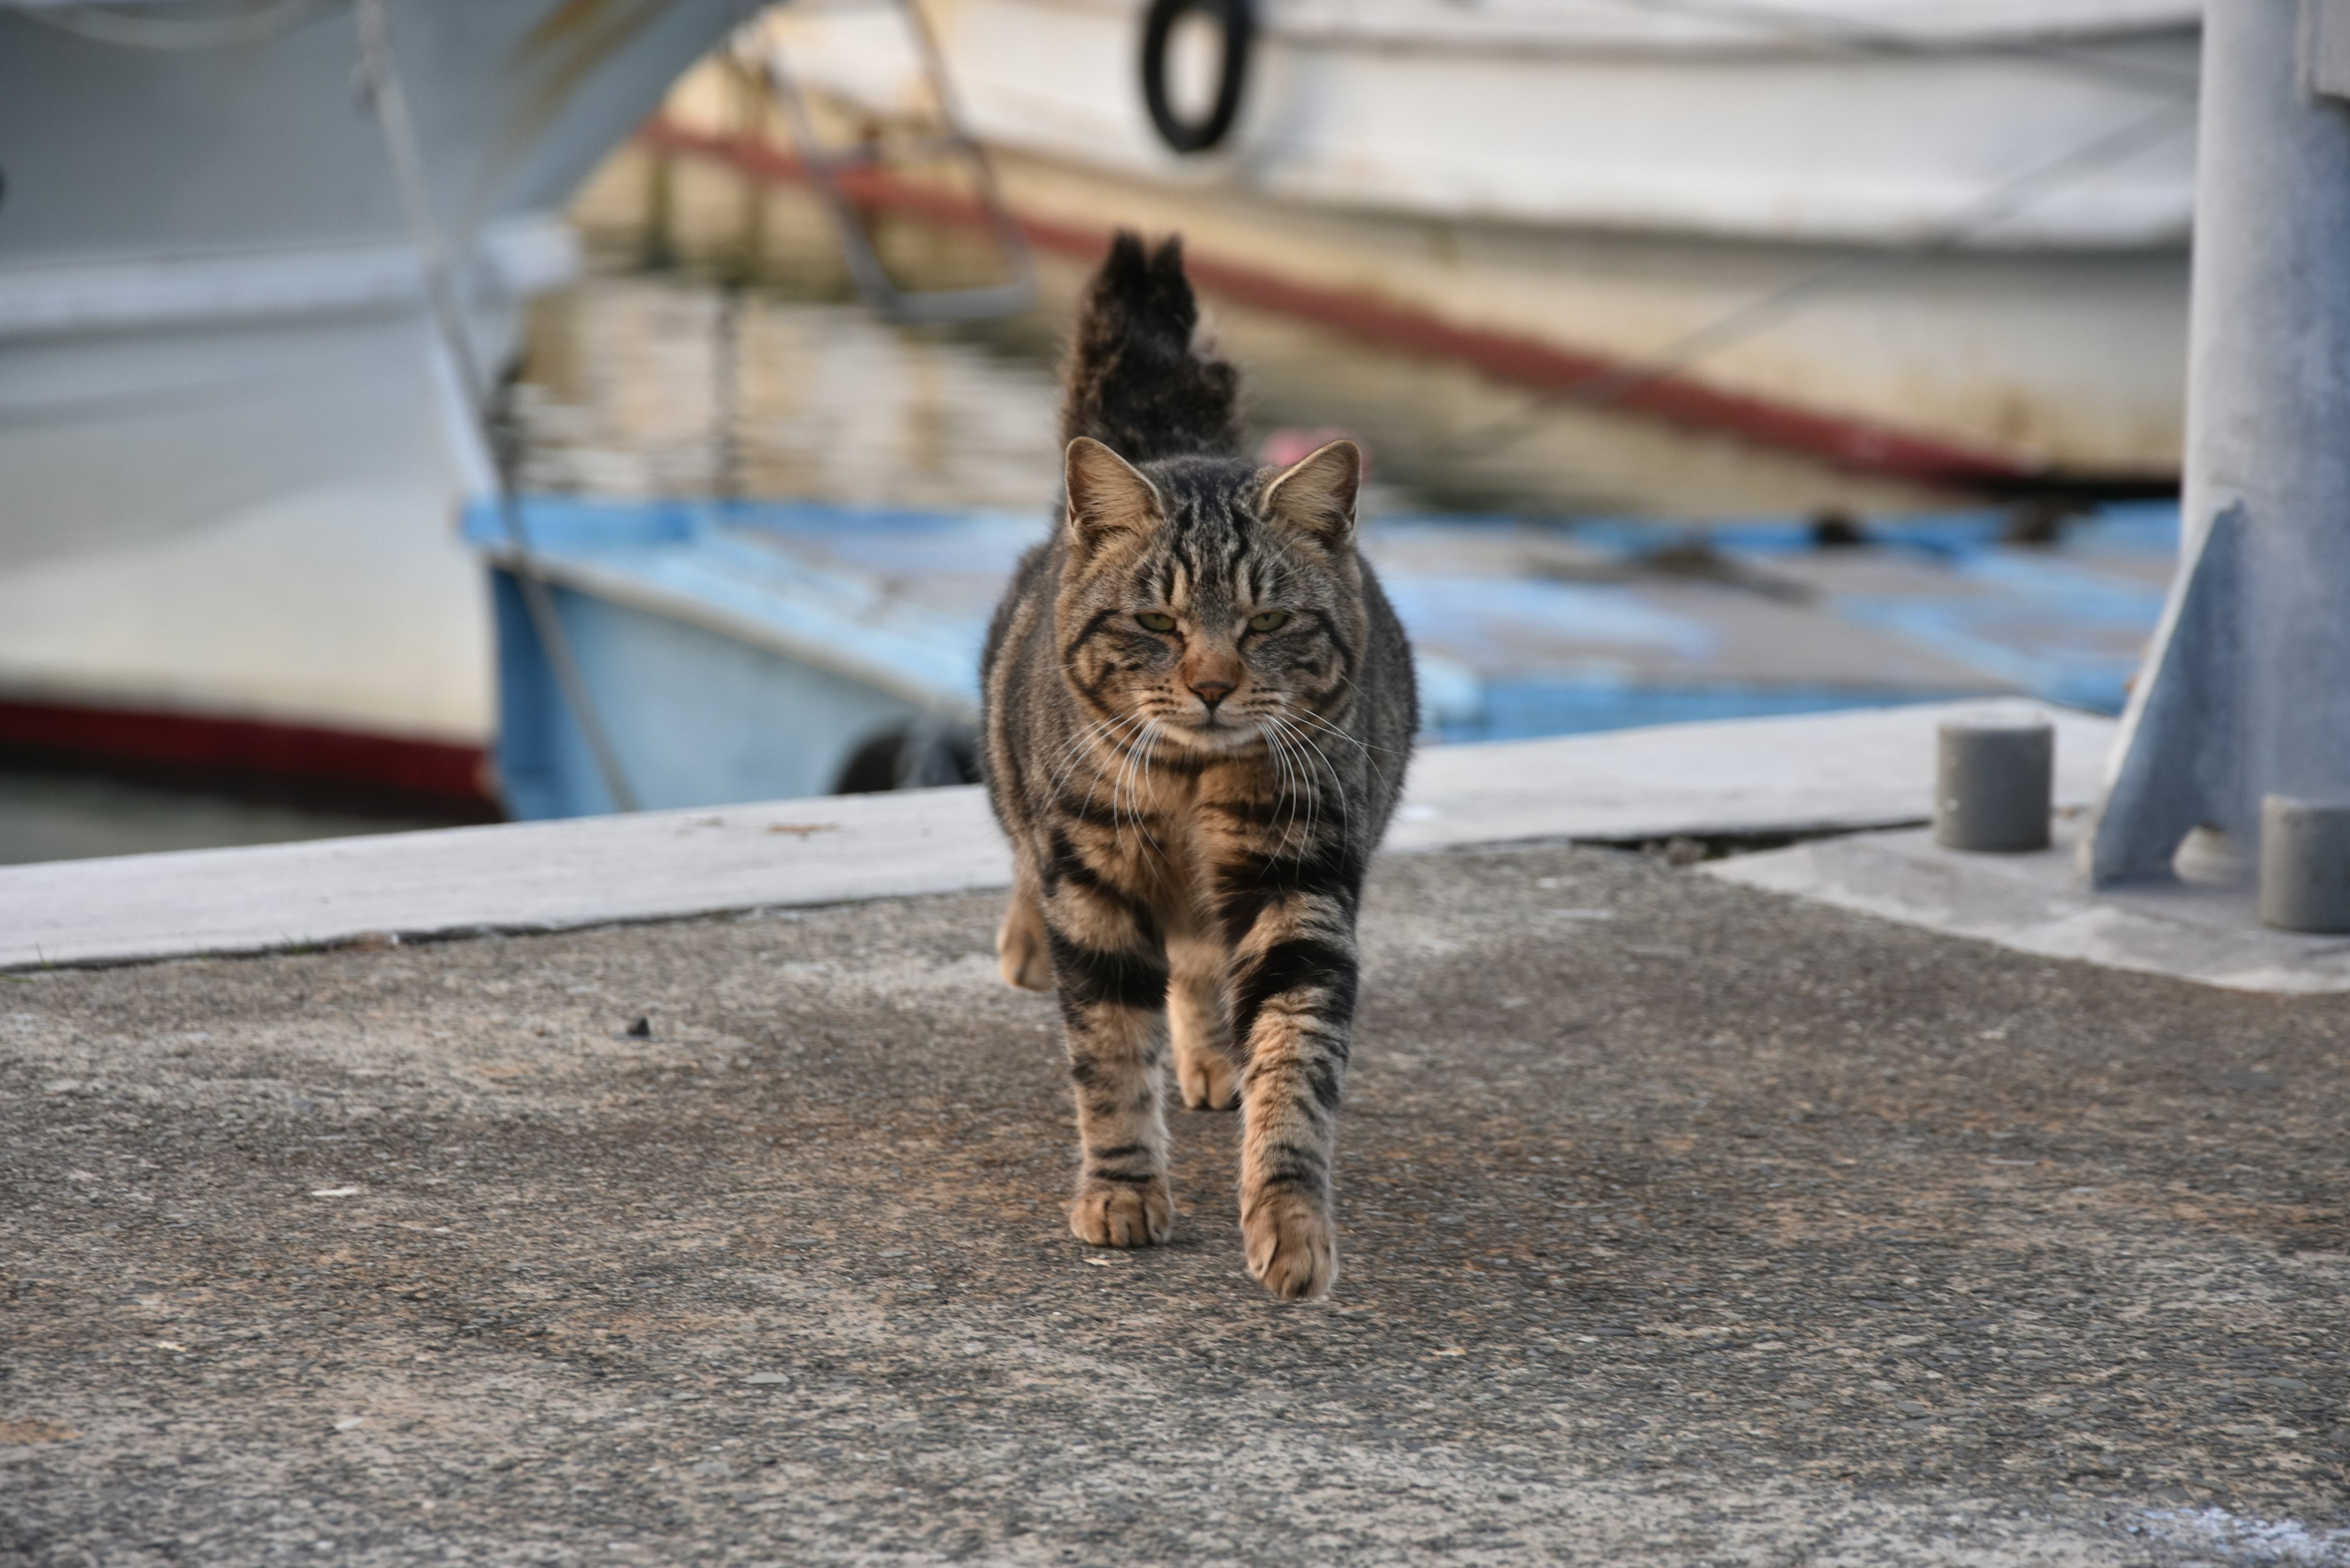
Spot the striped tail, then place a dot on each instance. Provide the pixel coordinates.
(1138, 381)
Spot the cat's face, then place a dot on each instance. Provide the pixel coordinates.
(1207, 605)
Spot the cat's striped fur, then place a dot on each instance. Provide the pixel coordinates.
(1198, 706)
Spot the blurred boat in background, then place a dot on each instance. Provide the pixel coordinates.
(761, 650)
(231, 451)
(1940, 245)
(1940, 239)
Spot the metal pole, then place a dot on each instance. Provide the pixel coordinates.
(2246, 690)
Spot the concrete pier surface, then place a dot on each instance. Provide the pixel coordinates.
(1682, 1223)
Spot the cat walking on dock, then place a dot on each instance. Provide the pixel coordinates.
(1199, 708)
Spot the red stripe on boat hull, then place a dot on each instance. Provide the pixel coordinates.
(397, 771)
(1859, 445)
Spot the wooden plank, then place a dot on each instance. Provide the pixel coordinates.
(1861, 769)
(539, 876)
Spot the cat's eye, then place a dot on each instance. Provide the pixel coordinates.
(1156, 621)
(1271, 620)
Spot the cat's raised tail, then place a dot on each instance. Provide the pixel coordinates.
(1137, 379)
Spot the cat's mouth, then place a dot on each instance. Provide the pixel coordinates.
(1214, 731)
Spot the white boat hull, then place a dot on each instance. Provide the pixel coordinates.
(232, 448)
(2003, 204)
(1526, 115)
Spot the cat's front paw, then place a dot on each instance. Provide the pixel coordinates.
(1119, 1214)
(1293, 1247)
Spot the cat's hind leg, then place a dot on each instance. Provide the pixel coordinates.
(1023, 949)
(1207, 1068)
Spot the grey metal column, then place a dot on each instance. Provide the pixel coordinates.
(2247, 688)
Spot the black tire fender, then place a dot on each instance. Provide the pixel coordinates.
(1239, 21)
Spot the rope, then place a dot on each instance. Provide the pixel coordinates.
(380, 80)
(256, 23)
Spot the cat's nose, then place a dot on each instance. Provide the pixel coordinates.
(1212, 691)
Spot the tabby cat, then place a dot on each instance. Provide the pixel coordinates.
(1198, 706)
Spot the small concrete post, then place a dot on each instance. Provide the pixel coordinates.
(2305, 864)
(1994, 783)
(2246, 690)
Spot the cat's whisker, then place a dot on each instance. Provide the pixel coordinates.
(1116, 782)
(1285, 787)
(1290, 720)
(1311, 787)
(1299, 785)
(1117, 790)
(1306, 790)
(1136, 751)
(1074, 751)
(1352, 685)
(1281, 792)
(1077, 742)
(1149, 747)
(1083, 747)
(1309, 716)
(1337, 784)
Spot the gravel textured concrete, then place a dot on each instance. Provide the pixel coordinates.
(1681, 1223)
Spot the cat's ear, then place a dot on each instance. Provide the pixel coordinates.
(1316, 495)
(1107, 495)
